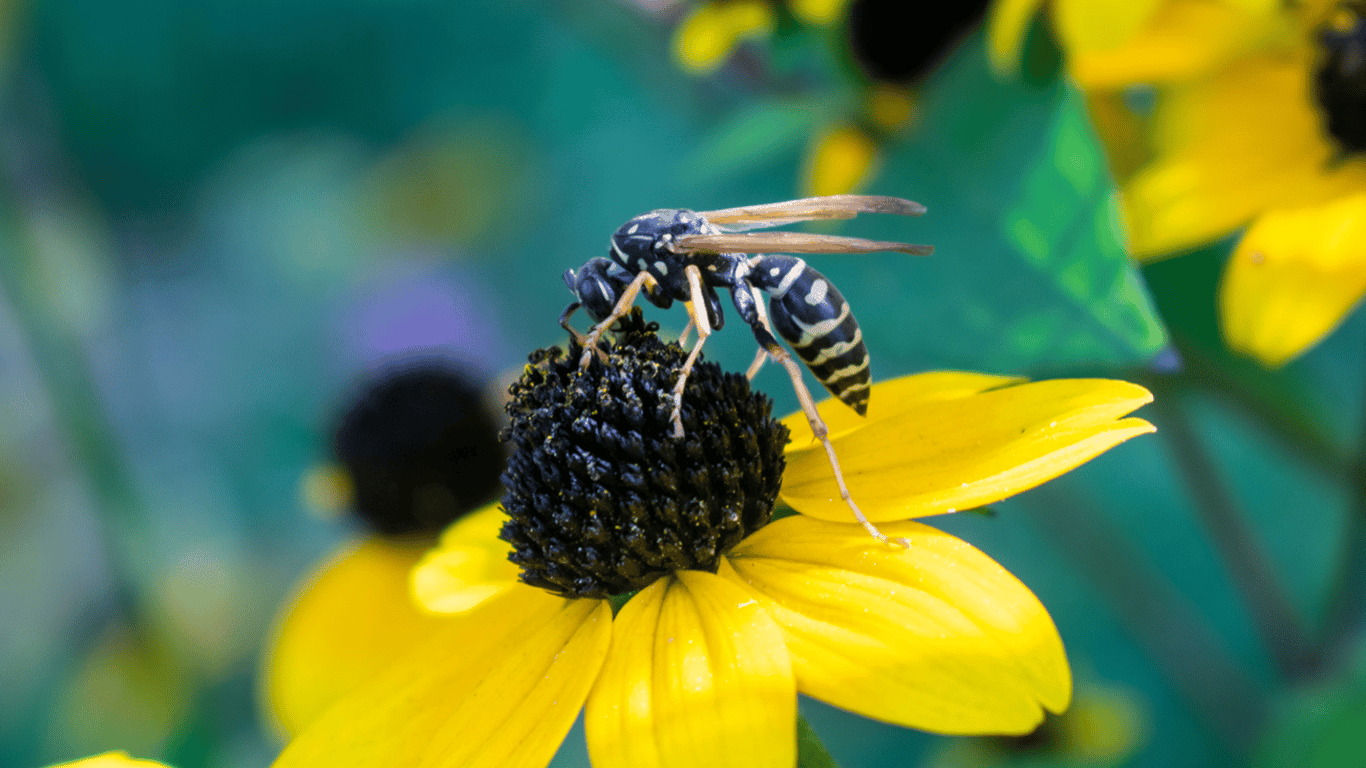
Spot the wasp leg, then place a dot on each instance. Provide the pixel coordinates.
(758, 363)
(578, 337)
(628, 298)
(770, 346)
(687, 330)
(697, 312)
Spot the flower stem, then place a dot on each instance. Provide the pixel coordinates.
(1281, 629)
(1163, 620)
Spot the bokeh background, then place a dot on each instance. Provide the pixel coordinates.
(219, 218)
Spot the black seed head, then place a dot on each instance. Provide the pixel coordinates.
(1340, 81)
(602, 498)
(421, 447)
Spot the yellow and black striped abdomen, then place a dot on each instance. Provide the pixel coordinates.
(811, 315)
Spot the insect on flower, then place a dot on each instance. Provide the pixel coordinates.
(678, 254)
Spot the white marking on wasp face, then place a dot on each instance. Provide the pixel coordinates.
(819, 329)
(793, 272)
(634, 228)
(838, 348)
(662, 268)
(817, 293)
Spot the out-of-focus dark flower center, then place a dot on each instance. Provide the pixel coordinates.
(421, 448)
(602, 498)
(1340, 80)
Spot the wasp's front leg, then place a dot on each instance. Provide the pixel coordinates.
(697, 313)
(624, 304)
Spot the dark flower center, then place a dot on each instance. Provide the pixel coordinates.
(1340, 81)
(602, 498)
(421, 448)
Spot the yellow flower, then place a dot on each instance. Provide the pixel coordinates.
(702, 668)
(1256, 129)
(349, 619)
(1114, 44)
(110, 760)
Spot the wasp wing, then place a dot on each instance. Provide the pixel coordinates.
(825, 208)
(789, 242)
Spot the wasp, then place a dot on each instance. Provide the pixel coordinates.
(675, 254)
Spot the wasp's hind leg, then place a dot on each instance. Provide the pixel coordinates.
(697, 314)
(623, 305)
(772, 348)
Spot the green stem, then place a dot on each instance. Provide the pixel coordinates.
(1280, 628)
(1162, 619)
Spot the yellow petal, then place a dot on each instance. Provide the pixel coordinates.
(1229, 147)
(840, 161)
(1100, 24)
(893, 398)
(938, 636)
(706, 37)
(1007, 25)
(1293, 278)
(818, 12)
(698, 676)
(1158, 43)
(349, 621)
(110, 760)
(499, 685)
(468, 566)
(935, 457)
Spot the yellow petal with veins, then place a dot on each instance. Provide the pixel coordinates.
(499, 685)
(952, 454)
(938, 636)
(1293, 278)
(1178, 40)
(1229, 147)
(468, 566)
(892, 398)
(698, 677)
(349, 621)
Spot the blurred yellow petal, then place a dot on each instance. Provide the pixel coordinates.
(935, 457)
(893, 398)
(938, 636)
(706, 37)
(499, 685)
(1099, 24)
(468, 566)
(1007, 26)
(350, 620)
(1177, 40)
(840, 161)
(1229, 147)
(1293, 278)
(818, 12)
(698, 676)
(110, 760)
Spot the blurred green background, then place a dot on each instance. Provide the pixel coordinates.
(217, 217)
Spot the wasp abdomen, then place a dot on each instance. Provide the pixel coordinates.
(811, 314)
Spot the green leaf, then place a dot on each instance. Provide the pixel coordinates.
(1030, 267)
(810, 751)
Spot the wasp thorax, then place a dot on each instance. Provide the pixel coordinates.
(1340, 81)
(602, 498)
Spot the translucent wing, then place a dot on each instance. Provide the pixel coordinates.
(789, 242)
(809, 209)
